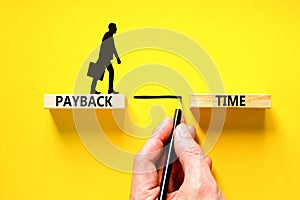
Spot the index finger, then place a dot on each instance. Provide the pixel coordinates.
(150, 152)
(158, 138)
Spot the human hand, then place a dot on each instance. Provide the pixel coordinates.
(191, 177)
(118, 60)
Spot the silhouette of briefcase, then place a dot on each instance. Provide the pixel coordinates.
(96, 70)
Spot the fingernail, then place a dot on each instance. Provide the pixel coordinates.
(163, 123)
(183, 131)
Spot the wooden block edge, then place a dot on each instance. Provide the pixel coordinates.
(49, 101)
(196, 97)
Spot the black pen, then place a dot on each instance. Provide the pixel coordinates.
(170, 157)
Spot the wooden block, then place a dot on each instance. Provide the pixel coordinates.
(84, 101)
(230, 101)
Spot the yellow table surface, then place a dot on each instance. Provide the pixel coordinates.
(254, 44)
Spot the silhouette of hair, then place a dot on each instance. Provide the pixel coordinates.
(112, 26)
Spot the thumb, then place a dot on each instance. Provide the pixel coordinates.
(189, 152)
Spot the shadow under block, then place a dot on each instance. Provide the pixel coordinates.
(258, 101)
(84, 101)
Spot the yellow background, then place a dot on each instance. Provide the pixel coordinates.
(254, 44)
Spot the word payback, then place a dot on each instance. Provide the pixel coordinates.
(84, 101)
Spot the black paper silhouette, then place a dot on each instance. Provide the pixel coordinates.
(107, 50)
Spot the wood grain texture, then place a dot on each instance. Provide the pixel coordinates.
(262, 101)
